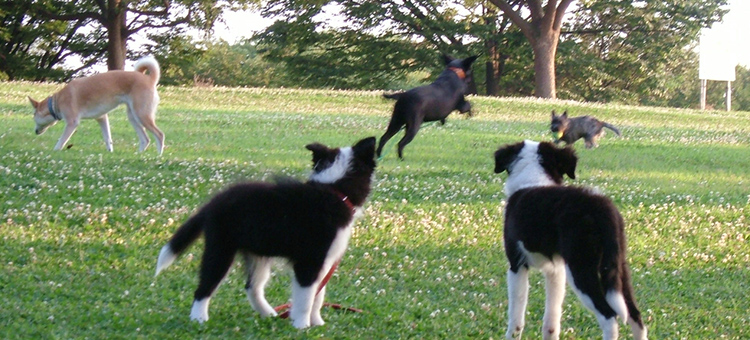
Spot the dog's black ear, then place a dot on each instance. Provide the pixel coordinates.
(565, 114)
(557, 162)
(447, 59)
(554, 114)
(505, 155)
(567, 161)
(365, 148)
(319, 151)
(466, 63)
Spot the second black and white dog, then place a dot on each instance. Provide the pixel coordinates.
(308, 224)
(566, 232)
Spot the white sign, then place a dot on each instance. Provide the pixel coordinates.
(718, 57)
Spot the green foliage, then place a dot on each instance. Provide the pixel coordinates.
(348, 57)
(185, 61)
(612, 51)
(634, 52)
(741, 90)
(177, 55)
(32, 47)
(380, 44)
(37, 36)
(81, 228)
(236, 65)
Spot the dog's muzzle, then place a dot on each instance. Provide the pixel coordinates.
(40, 130)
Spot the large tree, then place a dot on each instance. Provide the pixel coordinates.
(112, 17)
(666, 23)
(542, 27)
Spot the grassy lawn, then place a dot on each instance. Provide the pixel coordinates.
(80, 229)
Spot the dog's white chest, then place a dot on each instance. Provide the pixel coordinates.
(340, 242)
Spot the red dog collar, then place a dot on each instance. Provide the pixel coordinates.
(344, 199)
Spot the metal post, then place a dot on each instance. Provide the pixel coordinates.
(729, 96)
(703, 94)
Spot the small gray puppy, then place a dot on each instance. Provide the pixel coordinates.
(570, 130)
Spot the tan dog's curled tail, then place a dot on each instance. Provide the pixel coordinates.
(152, 66)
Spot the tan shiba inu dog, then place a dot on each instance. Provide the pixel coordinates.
(93, 97)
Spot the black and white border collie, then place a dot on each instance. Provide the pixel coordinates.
(568, 233)
(308, 224)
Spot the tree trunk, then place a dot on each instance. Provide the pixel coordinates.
(545, 49)
(543, 32)
(493, 86)
(116, 34)
(492, 73)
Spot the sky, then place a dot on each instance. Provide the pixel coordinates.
(243, 24)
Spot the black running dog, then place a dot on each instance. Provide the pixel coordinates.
(429, 103)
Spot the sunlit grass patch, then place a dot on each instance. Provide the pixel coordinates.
(81, 228)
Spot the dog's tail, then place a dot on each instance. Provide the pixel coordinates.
(613, 128)
(152, 66)
(615, 277)
(395, 95)
(182, 238)
(610, 267)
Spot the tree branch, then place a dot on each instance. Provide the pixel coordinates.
(561, 13)
(548, 20)
(535, 8)
(164, 12)
(71, 17)
(181, 21)
(516, 18)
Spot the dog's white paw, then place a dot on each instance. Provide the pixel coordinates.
(316, 320)
(199, 312)
(268, 314)
(199, 318)
(301, 324)
(514, 334)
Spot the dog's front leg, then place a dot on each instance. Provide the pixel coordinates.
(555, 292)
(104, 124)
(70, 127)
(303, 298)
(518, 296)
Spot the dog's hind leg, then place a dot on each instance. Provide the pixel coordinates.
(589, 141)
(554, 276)
(258, 272)
(393, 128)
(411, 132)
(584, 279)
(158, 135)
(138, 127)
(104, 124)
(518, 296)
(315, 318)
(217, 259)
(148, 122)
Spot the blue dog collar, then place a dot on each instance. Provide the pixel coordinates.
(51, 109)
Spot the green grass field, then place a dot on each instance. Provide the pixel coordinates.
(81, 228)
